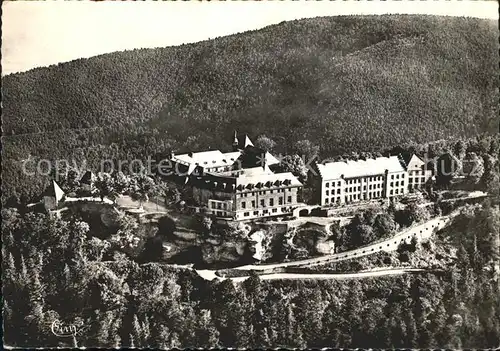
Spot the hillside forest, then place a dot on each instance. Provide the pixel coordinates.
(346, 84)
(340, 88)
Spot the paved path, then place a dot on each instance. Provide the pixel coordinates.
(366, 274)
(210, 275)
(151, 206)
(421, 232)
(88, 199)
(472, 195)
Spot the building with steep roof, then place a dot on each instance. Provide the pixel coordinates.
(418, 173)
(53, 197)
(248, 193)
(238, 185)
(240, 142)
(252, 156)
(244, 155)
(197, 163)
(87, 181)
(352, 181)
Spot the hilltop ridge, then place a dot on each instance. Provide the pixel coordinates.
(349, 83)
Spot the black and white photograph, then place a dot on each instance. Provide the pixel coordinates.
(250, 174)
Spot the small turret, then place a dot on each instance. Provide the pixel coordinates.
(235, 142)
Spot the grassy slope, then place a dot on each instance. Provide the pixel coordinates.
(346, 83)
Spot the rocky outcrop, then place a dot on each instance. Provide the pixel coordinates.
(282, 241)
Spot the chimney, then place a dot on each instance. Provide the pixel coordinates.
(190, 154)
(264, 160)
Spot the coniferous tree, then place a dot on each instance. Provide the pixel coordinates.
(263, 341)
(331, 325)
(411, 330)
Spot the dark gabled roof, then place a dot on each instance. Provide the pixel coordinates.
(253, 156)
(53, 190)
(243, 141)
(87, 178)
(405, 157)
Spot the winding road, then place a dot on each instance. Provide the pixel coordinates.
(364, 274)
(422, 232)
(377, 272)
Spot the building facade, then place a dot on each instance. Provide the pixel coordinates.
(238, 185)
(247, 194)
(255, 193)
(352, 181)
(418, 174)
(244, 155)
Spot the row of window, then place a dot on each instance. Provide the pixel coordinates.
(354, 189)
(417, 179)
(417, 173)
(218, 169)
(333, 200)
(396, 192)
(356, 181)
(366, 179)
(263, 192)
(354, 197)
(263, 202)
(256, 213)
(397, 176)
(397, 183)
(415, 186)
(218, 205)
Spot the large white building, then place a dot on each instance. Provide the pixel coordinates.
(253, 193)
(238, 185)
(351, 181)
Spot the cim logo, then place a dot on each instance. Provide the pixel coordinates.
(64, 330)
